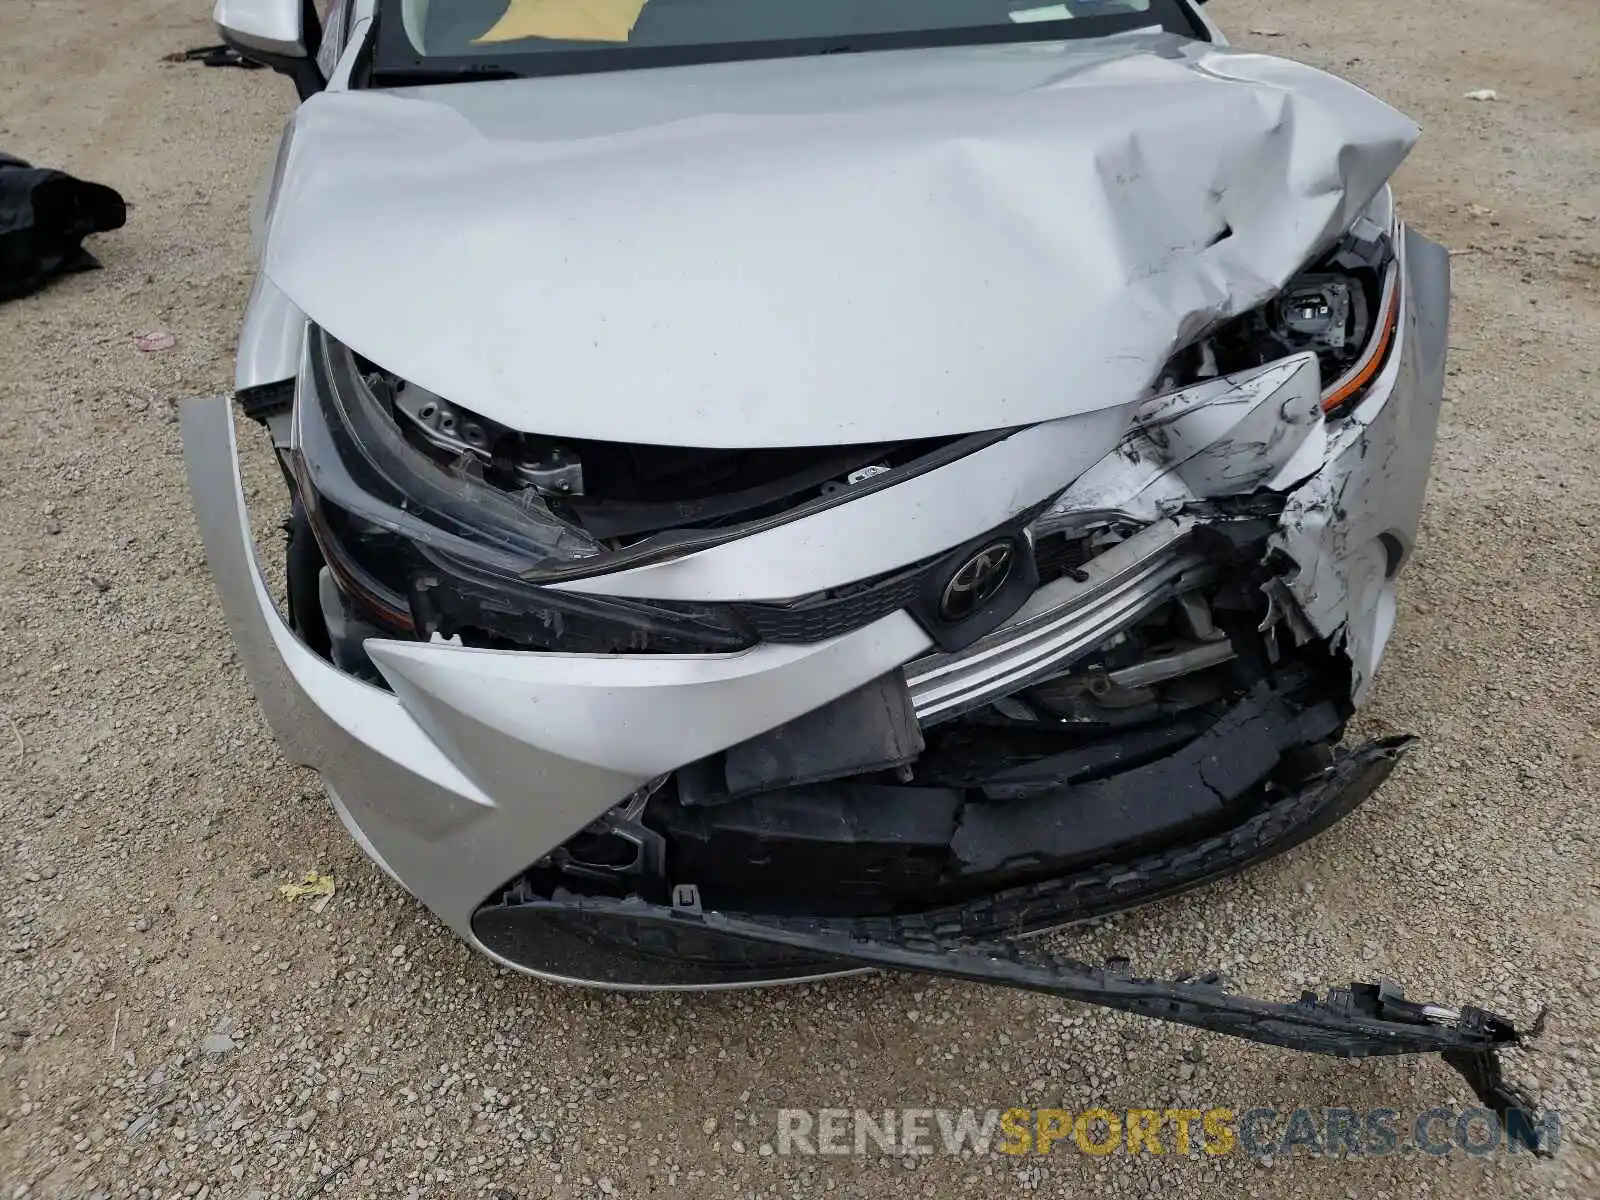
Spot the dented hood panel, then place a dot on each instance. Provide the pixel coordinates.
(804, 251)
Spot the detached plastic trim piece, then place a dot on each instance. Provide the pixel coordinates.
(1358, 1020)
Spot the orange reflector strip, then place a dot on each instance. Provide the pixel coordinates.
(1362, 375)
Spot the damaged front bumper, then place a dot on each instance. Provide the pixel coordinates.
(1355, 1021)
(657, 819)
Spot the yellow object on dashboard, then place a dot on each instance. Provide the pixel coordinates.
(566, 20)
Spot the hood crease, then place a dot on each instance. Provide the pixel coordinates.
(829, 250)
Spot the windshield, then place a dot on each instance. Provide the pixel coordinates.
(524, 37)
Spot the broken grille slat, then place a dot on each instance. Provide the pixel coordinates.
(1063, 621)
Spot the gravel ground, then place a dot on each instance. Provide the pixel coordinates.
(172, 1027)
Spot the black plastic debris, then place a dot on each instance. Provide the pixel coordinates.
(44, 217)
(1359, 1020)
(671, 940)
(213, 56)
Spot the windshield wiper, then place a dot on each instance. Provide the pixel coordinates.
(457, 72)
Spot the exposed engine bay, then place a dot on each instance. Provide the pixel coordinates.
(905, 801)
(632, 489)
(590, 503)
(1088, 675)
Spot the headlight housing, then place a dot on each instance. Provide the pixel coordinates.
(433, 549)
(1344, 307)
(348, 450)
(437, 522)
(1285, 368)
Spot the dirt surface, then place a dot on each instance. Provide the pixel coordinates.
(148, 820)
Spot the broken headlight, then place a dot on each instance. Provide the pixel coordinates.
(426, 547)
(1343, 307)
(351, 451)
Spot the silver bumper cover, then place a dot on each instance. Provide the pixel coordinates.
(480, 761)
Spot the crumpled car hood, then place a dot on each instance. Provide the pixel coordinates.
(802, 251)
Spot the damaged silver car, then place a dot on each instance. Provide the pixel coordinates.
(779, 488)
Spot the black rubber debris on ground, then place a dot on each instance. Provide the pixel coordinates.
(213, 56)
(44, 217)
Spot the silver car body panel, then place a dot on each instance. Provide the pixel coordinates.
(272, 342)
(360, 25)
(670, 256)
(270, 26)
(1353, 525)
(1221, 437)
(480, 756)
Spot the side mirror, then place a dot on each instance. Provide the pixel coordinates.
(281, 34)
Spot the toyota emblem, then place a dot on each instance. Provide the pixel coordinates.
(977, 581)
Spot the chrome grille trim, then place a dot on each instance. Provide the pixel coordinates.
(1060, 622)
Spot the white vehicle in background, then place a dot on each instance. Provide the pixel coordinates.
(785, 487)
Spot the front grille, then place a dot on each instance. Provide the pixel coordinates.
(833, 613)
(1060, 623)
